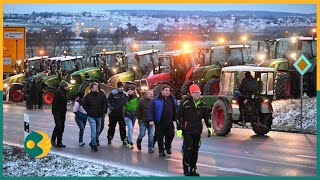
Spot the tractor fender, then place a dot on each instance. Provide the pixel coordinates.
(50, 88)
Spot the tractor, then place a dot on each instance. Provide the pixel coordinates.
(105, 65)
(257, 105)
(137, 65)
(60, 69)
(206, 76)
(14, 85)
(281, 54)
(173, 69)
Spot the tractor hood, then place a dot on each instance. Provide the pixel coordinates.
(13, 79)
(158, 78)
(51, 80)
(85, 70)
(121, 77)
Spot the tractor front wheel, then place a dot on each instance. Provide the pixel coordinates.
(16, 94)
(48, 96)
(212, 87)
(221, 119)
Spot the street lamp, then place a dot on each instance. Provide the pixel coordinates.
(65, 53)
(293, 56)
(221, 40)
(244, 38)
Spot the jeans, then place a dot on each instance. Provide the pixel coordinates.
(82, 124)
(143, 128)
(95, 124)
(59, 120)
(130, 124)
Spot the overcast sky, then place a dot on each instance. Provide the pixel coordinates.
(27, 8)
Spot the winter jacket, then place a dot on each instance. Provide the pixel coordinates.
(130, 107)
(60, 100)
(155, 108)
(142, 110)
(248, 85)
(94, 104)
(116, 101)
(190, 115)
(78, 109)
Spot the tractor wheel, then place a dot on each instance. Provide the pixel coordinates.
(85, 87)
(221, 119)
(282, 85)
(212, 87)
(311, 89)
(185, 87)
(157, 90)
(16, 94)
(266, 121)
(48, 96)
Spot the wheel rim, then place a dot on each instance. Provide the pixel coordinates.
(219, 118)
(48, 97)
(87, 90)
(16, 95)
(215, 89)
(288, 87)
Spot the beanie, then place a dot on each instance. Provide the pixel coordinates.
(119, 84)
(194, 88)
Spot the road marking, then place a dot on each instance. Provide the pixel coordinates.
(305, 156)
(234, 170)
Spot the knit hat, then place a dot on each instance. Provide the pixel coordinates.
(194, 88)
(63, 84)
(129, 88)
(119, 84)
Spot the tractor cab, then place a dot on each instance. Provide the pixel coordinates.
(230, 55)
(36, 65)
(68, 64)
(229, 107)
(110, 62)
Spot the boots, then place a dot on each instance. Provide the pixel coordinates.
(139, 144)
(193, 172)
(186, 170)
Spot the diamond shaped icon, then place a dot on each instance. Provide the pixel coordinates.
(302, 65)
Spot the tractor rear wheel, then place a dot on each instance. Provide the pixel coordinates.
(221, 119)
(48, 96)
(282, 85)
(266, 121)
(212, 87)
(185, 87)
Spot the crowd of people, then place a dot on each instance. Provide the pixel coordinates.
(155, 114)
(34, 88)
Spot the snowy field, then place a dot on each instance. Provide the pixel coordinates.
(17, 163)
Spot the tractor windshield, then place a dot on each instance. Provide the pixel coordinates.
(146, 62)
(72, 65)
(239, 56)
(284, 48)
(34, 66)
(309, 49)
(265, 81)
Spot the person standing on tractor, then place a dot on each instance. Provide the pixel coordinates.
(144, 124)
(116, 100)
(162, 112)
(189, 126)
(59, 110)
(81, 116)
(129, 113)
(95, 105)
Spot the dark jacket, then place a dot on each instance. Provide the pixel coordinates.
(60, 100)
(116, 101)
(95, 104)
(248, 84)
(190, 115)
(142, 110)
(155, 109)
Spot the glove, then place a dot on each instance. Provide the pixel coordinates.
(179, 134)
(210, 131)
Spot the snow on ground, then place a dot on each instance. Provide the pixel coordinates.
(17, 163)
(286, 116)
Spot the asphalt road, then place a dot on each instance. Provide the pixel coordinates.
(241, 153)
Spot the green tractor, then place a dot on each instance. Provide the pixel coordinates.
(257, 106)
(137, 65)
(14, 85)
(281, 54)
(105, 65)
(60, 69)
(206, 76)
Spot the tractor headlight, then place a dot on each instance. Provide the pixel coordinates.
(114, 70)
(5, 85)
(72, 81)
(144, 88)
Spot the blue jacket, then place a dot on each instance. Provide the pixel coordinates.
(156, 107)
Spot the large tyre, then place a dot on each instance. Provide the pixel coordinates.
(212, 87)
(312, 84)
(282, 85)
(48, 96)
(221, 119)
(16, 94)
(185, 87)
(266, 120)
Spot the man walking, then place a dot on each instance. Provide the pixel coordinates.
(94, 104)
(162, 111)
(142, 116)
(189, 125)
(116, 100)
(59, 109)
